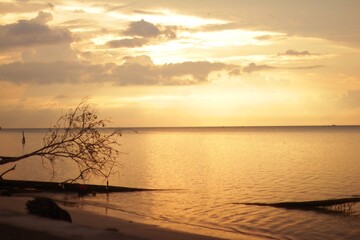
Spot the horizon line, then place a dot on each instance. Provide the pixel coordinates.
(230, 126)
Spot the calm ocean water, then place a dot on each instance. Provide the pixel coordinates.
(217, 169)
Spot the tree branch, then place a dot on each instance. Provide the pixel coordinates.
(9, 170)
(76, 137)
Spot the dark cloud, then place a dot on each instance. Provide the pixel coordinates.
(134, 71)
(49, 53)
(136, 74)
(295, 53)
(143, 72)
(42, 18)
(169, 32)
(142, 60)
(142, 29)
(32, 32)
(138, 70)
(199, 70)
(235, 71)
(143, 32)
(253, 67)
(127, 43)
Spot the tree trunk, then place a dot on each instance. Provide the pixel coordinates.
(6, 160)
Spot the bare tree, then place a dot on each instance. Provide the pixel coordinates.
(76, 137)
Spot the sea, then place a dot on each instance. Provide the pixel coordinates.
(205, 177)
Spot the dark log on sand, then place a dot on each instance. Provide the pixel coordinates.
(33, 186)
(48, 208)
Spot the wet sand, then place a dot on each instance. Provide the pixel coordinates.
(15, 223)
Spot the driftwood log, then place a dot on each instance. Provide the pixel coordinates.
(36, 186)
(328, 205)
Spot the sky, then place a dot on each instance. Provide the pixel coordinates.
(154, 63)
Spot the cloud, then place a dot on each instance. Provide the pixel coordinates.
(142, 33)
(264, 37)
(143, 72)
(60, 97)
(273, 37)
(139, 70)
(142, 60)
(32, 32)
(42, 18)
(134, 71)
(338, 21)
(23, 6)
(127, 43)
(295, 53)
(51, 72)
(305, 67)
(49, 53)
(147, 12)
(217, 27)
(253, 67)
(142, 29)
(169, 32)
(199, 70)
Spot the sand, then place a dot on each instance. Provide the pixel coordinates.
(16, 224)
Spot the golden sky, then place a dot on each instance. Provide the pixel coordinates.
(181, 63)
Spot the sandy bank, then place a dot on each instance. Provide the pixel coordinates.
(16, 224)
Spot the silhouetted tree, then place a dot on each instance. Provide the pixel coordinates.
(76, 137)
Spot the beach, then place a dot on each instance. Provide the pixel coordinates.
(15, 223)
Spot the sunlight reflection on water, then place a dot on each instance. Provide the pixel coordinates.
(219, 167)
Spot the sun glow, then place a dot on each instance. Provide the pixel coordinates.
(166, 17)
(178, 59)
(190, 46)
(226, 38)
(80, 8)
(12, 17)
(103, 39)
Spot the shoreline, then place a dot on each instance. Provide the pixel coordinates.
(86, 225)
